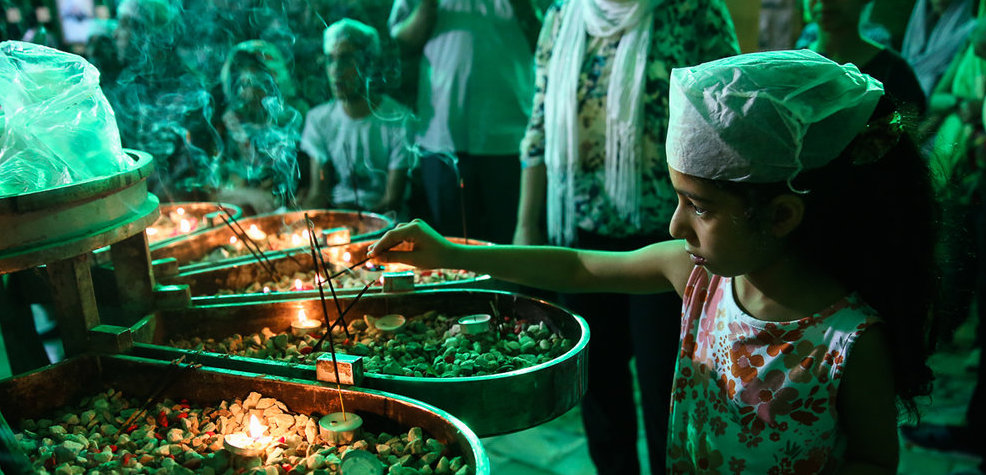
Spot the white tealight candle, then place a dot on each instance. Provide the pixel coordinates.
(232, 239)
(339, 428)
(180, 211)
(248, 445)
(299, 285)
(151, 231)
(184, 226)
(474, 324)
(389, 323)
(295, 240)
(303, 326)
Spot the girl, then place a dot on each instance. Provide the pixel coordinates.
(802, 322)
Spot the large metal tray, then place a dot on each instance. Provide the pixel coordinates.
(202, 214)
(191, 250)
(34, 394)
(490, 405)
(205, 284)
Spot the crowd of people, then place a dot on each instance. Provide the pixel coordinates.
(534, 123)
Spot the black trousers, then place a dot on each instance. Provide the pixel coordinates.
(623, 326)
(486, 204)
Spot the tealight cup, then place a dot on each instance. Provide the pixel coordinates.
(390, 323)
(339, 428)
(474, 324)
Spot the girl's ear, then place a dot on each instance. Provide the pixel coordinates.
(786, 213)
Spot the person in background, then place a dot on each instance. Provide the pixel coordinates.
(840, 40)
(474, 99)
(935, 33)
(262, 124)
(593, 155)
(796, 345)
(358, 141)
(958, 165)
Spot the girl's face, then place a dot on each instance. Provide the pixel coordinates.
(836, 15)
(719, 234)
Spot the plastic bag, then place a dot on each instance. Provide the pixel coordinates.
(56, 127)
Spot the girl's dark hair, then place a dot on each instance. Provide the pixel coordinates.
(874, 226)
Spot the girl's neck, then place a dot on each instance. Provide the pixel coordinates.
(845, 47)
(787, 290)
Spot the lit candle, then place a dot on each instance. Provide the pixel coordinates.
(346, 256)
(296, 239)
(339, 428)
(184, 226)
(266, 289)
(304, 234)
(298, 285)
(180, 211)
(248, 445)
(232, 239)
(255, 233)
(303, 326)
(151, 231)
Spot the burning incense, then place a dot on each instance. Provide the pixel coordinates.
(316, 259)
(258, 254)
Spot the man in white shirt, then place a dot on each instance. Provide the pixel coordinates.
(475, 87)
(358, 140)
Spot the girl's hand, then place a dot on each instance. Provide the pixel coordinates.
(416, 244)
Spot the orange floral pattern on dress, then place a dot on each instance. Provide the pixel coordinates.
(759, 397)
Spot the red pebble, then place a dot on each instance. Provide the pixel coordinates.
(126, 459)
(287, 467)
(346, 341)
(158, 436)
(305, 350)
(280, 439)
(50, 463)
(182, 415)
(210, 433)
(450, 359)
(162, 419)
(113, 448)
(131, 428)
(506, 319)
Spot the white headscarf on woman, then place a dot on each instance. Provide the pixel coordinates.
(624, 105)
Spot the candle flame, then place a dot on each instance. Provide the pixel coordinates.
(151, 231)
(180, 211)
(184, 226)
(304, 234)
(295, 240)
(266, 289)
(346, 256)
(297, 284)
(256, 429)
(255, 233)
(232, 239)
(301, 316)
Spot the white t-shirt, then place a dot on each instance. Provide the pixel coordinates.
(362, 151)
(476, 78)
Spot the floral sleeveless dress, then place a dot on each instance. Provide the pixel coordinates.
(759, 397)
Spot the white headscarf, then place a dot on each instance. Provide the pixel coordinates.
(765, 117)
(624, 104)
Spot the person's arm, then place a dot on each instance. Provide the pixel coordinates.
(660, 267)
(533, 180)
(413, 32)
(867, 407)
(529, 19)
(394, 194)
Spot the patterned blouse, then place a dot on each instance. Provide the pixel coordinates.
(685, 33)
(758, 397)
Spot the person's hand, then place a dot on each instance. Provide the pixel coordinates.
(413, 243)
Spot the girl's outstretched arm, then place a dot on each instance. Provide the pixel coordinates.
(660, 267)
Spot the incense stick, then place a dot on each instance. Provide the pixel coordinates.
(266, 264)
(351, 304)
(350, 268)
(250, 240)
(316, 259)
(176, 372)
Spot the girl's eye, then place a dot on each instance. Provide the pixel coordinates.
(698, 211)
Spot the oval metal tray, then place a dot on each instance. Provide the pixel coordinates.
(490, 405)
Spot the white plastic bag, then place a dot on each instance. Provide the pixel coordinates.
(56, 127)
